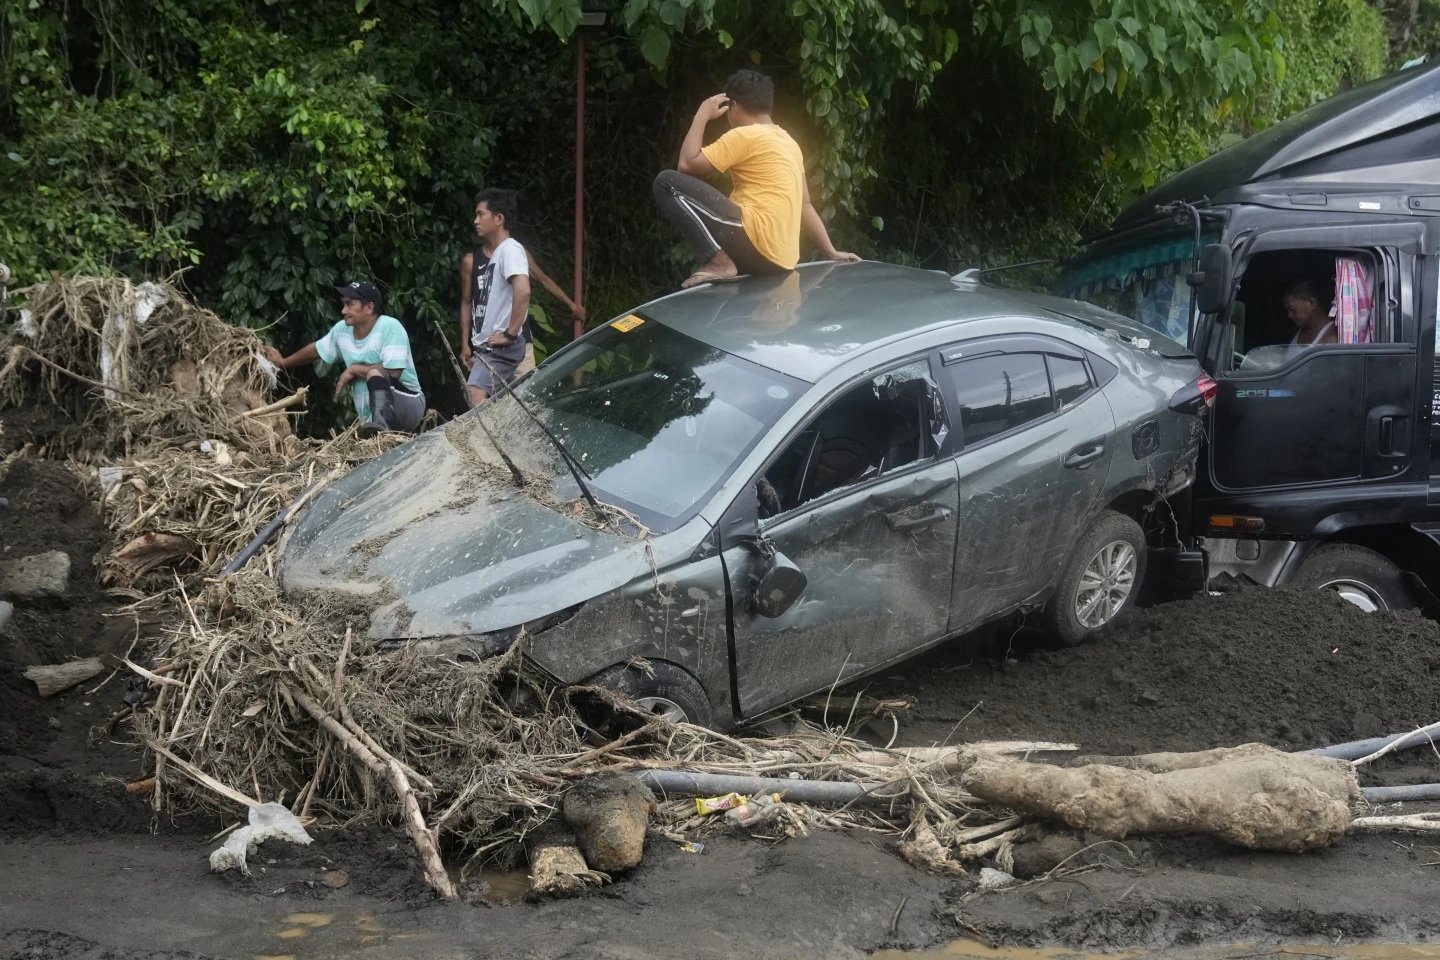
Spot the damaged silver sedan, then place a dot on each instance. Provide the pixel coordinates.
(741, 494)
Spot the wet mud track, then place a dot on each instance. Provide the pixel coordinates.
(86, 872)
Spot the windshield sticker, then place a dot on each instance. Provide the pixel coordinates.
(626, 324)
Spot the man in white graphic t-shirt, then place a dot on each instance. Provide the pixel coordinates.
(490, 335)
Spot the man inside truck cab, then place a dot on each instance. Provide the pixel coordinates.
(1310, 313)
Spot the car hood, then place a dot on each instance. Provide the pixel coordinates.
(443, 543)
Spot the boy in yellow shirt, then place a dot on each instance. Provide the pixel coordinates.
(757, 228)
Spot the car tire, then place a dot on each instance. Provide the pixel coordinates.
(667, 691)
(1359, 575)
(1100, 580)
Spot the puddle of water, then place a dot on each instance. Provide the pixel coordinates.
(505, 886)
(335, 934)
(975, 950)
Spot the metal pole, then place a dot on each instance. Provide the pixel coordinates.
(577, 327)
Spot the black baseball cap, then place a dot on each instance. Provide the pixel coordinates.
(360, 290)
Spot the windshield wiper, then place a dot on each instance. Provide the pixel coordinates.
(576, 468)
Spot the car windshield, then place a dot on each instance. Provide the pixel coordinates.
(1145, 282)
(656, 419)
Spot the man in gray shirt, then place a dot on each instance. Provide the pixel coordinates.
(490, 336)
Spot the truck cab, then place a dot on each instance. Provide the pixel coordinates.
(1316, 469)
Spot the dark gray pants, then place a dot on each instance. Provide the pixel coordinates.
(392, 407)
(709, 221)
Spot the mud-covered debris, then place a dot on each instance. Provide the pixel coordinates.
(609, 814)
(1252, 796)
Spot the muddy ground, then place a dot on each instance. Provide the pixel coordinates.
(86, 872)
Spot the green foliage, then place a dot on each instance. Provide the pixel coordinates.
(272, 148)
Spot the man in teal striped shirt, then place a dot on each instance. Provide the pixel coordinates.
(379, 369)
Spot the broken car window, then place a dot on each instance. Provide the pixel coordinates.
(656, 418)
(868, 431)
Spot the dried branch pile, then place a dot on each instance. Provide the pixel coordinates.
(135, 367)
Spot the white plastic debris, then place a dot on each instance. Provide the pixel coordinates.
(218, 449)
(992, 879)
(27, 323)
(148, 296)
(109, 477)
(267, 820)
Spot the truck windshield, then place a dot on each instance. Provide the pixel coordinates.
(1145, 283)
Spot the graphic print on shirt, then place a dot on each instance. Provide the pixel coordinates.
(480, 300)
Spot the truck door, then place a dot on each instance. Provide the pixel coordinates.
(1328, 399)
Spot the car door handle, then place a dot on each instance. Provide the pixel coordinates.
(1085, 454)
(902, 520)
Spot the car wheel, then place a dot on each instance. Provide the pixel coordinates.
(1359, 575)
(1100, 580)
(668, 691)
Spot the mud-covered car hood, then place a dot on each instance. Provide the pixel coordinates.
(443, 548)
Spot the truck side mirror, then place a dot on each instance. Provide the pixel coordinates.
(778, 587)
(1213, 280)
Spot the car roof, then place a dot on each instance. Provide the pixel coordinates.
(808, 321)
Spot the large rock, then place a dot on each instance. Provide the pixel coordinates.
(37, 576)
(609, 814)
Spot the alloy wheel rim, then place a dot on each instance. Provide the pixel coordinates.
(1105, 584)
(1358, 593)
(664, 708)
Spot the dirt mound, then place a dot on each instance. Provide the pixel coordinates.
(1294, 669)
(48, 510)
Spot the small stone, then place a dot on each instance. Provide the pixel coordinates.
(1149, 698)
(54, 722)
(4, 503)
(1038, 857)
(37, 576)
(335, 879)
(743, 890)
(7, 610)
(992, 879)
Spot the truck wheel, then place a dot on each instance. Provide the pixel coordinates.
(1360, 575)
(671, 692)
(1100, 580)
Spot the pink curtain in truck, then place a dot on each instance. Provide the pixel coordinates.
(1354, 309)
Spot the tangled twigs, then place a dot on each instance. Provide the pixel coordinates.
(420, 834)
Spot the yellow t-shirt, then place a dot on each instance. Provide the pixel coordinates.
(768, 172)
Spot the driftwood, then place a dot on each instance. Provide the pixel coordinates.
(55, 678)
(557, 867)
(415, 826)
(1252, 796)
(609, 814)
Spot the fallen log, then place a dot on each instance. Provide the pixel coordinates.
(1252, 796)
(55, 678)
(609, 814)
(558, 869)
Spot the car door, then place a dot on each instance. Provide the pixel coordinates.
(859, 500)
(1034, 435)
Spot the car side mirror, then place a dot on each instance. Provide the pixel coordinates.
(778, 587)
(1213, 280)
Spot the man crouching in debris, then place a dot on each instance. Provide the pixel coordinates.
(379, 369)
